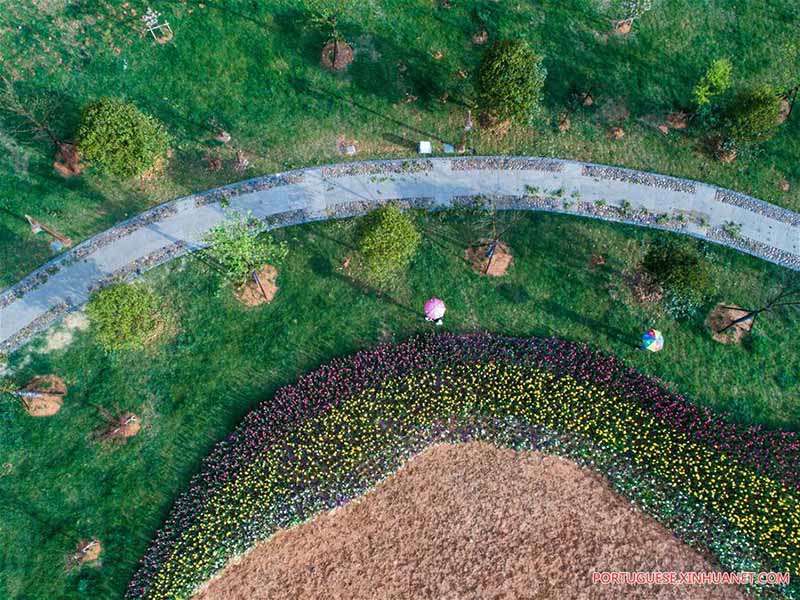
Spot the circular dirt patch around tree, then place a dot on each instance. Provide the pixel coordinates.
(500, 261)
(51, 390)
(253, 294)
(130, 425)
(723, 315)
(87, 551)
(623, 27)
(336, 56)
(67, 161)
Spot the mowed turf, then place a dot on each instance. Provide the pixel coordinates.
(252, 68)
(219, 359)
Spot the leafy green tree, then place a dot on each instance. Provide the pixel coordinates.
(387, 239)
(716, 81)
(752, 115)
(328, 15)
(238, 248)
(679, 268)
(510, 81)
(125, 316)
(120, 138)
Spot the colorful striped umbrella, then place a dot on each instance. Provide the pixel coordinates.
(434, 309)
(652, 340)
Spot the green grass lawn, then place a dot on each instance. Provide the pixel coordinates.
(220, 359)
(253, 68)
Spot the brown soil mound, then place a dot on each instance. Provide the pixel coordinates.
(623, 27)
(499, 264)
(721, 317)
(67, 160)
(644, 288)
(677, 120)
(251, 294)
(470, 522)
(51, 390)
(493, 125)
(130, 425)
(87, 551)
(783, 114)
(336, 56)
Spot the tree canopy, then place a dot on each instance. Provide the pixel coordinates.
(510, 80)
(120, 138)
(387, 240)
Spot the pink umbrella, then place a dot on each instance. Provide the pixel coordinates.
(434, 309)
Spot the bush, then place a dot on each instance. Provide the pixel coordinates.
(752, 115)
(510, 80)
(716, 81)
(237, 246)
(125, 316)
(387, 240)
(120, 138)
(680, 269)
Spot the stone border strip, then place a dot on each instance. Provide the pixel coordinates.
(754, 247)
(257, 184)
(757, 206)
(507, 164)
(38, 325)
(379, 172)
(389, 167)
(631, 176)
(140, 265)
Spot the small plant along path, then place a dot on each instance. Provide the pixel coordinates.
(351, 189)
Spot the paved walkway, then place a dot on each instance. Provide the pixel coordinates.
(336, 191)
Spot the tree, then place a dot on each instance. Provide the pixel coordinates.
(510, 80)
(387, 239)
(120, 138)
(785, 297)
(240, 252)
(327, 15)
(716, 81)
(679, 268)
(752, 115)
(125, 316)
(34, 115)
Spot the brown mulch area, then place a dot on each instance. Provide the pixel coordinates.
(469, 522)
(721, 317)
(499, 264)
(251, 294)
(51, 390)
(336, 56)
(644, 288)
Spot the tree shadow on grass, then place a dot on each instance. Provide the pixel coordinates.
(563, 313)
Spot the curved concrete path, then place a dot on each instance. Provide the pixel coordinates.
(349, 189)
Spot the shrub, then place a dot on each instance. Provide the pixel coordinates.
(752, 115)
(237, 246)
(679, 268)
(120, 138)
(510, 80)
(387, 239)
(716, 81)
(125, 316)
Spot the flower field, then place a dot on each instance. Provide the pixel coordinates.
(344, 427)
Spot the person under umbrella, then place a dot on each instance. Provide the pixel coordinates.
(434, 310)
(652, 340)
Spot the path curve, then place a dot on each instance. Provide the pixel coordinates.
(349, 189)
